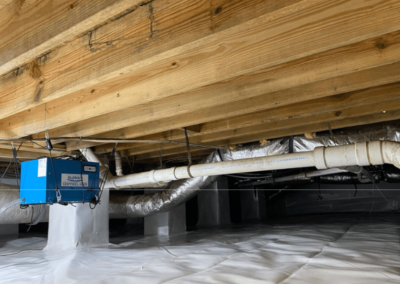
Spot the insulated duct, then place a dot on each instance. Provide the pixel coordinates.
(118, 164)
(361, 154)
(149, 204)
(387, 132)
(182, 190)
(16, 215)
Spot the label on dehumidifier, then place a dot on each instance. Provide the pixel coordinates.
(74, 180)
(42, 167)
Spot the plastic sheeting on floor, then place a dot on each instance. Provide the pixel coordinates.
(328, 249)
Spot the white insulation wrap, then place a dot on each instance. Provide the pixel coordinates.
(118, 164)
(14, 214)
(149, 204)
(182, 190)
(361, 154)
(325, 249)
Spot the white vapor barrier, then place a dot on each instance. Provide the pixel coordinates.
(327, 249)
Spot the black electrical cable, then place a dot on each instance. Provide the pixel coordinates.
(104, 180)
(319, 196)
(219, 154)
(188, 150)
(37, 144)
(9, 165)
(249, 177)
(15, 154)
(130, 167)
(58, 193)
(107, 140)
(83, 185)
(356, 189)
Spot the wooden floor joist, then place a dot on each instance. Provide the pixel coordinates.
(326, 109)
(36, 27)
(223, 56)
(337, 85)
(344, 110)
(189, 103)
(379, 116)
(4, 153)
(112, 52)
(230, 71)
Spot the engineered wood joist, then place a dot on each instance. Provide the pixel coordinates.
(152, 31)
(254, 85)
(328, 110)
(296, 31)
(33, 28)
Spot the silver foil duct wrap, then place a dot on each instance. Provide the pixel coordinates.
(16, 215)
(182, 190)
(145, 205)
(149, 204)
(365, 134)
(275, 147)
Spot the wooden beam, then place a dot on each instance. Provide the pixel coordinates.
(37, 27)
(8, 154)
(135, 40)
(29, 148)
(342, 84)
(371, 118)
(4, 3)
(325, 109)
(298, 130)
(168, 154)
(180, 157)
(192, 129)
(209, 60)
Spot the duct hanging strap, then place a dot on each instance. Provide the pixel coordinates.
(189, 155)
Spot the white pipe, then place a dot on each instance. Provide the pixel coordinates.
(92, 157)
(118, 164)
(287, 161)
(308, 175)
(361, 154)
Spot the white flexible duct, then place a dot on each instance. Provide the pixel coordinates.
(14, 214)
(92, 157)
(118, 164)
(361, 154)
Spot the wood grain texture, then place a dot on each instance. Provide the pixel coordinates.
(117, 48)
(241, 49)
(330, 64)
(235, 98)
(8, 154)
(378, 116)
(4, 3)
(37, 28)
(383, 98)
